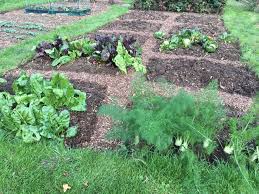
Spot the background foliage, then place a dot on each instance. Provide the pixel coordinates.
(199, 6)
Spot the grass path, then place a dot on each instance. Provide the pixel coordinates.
(244, 25)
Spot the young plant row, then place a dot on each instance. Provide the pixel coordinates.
(123, 52)
(39, 108)
(187, 38)
(183, 123)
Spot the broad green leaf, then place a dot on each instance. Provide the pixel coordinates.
(71, 131)
(2, 81)
(30, 134)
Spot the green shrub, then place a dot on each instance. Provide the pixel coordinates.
(251, 5)
(182, 120)
(199, 6)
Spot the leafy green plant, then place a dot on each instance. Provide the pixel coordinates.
(182, 120)
(120, 51)
(227, 38)
(38, 107)
(123, 60)
(159, 35)
(243, 145)
(63, 51)
(187, 38)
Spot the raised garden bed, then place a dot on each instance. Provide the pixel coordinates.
(199, 19)
(137, 26)
(210, 30)
(199, 73)
(145, 15)
(80, 65)
(224, 52)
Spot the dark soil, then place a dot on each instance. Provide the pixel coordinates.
(210, 30)
(201, 19)
(218, 154)
(144, 15)
(224, 52)
(137, 26)
(82, 64)
(86, 121)
(199, 73)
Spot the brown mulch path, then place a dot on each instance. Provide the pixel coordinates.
(118, 86)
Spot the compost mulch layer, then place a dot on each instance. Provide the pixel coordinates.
(86, 121)
(204, 19)
(210, 30)
(199, 73)
(137, 26)
(144, 15)
(82, 64)
(191, 70)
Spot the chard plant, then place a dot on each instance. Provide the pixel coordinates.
(39, 108)
(63, 51)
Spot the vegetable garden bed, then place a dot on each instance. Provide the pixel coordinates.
(210, 30)
(103, 82)
(199, 73)
(145, 15)
(137, 26)
(224, 52)
(201, 19)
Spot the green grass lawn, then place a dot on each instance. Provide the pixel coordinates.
(244, 25)
(42, 168)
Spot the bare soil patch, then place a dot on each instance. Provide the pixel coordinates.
(82, 64)
(199, 73)
(203, 19)
(144, 15)
(137, 26)
(86, 121)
